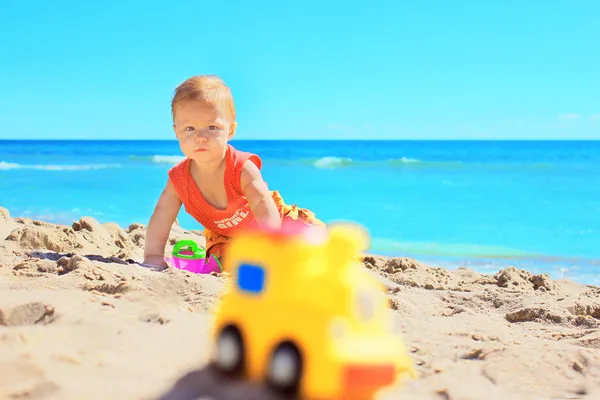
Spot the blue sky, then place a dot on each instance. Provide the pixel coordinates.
(305, 69)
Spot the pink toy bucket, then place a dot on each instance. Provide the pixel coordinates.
(187, 256)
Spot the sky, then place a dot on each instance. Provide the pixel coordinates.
(304, 69)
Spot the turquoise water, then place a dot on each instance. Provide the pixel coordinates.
(535, 205)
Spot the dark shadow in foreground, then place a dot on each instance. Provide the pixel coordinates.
(210, 384)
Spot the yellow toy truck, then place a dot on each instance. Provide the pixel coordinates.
(302, 314)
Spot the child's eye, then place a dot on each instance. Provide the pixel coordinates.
(213, 127)
(189, 128)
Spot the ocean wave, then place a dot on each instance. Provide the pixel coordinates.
(48, 167)
(322, 162)
(158, 159)
(468, 250)
(327, 162)
(345, 162)
(477, 254)
(418, 164)
(400, 163)
(340, 162)
(331, 162)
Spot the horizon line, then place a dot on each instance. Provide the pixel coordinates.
(319, 140)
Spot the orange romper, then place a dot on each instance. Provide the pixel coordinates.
(221, 224)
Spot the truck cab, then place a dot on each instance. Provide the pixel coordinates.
(302, 313)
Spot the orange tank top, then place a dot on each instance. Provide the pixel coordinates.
(225, 222)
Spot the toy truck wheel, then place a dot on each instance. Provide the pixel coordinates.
(230, 351)
(285, 368)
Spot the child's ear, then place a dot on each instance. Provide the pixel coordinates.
(232, 129)
(175, 130)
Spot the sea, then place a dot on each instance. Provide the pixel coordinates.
(484, 205)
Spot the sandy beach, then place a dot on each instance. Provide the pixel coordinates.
(81, 319)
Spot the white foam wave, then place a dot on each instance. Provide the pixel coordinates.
(159, 159)
(331, 162)
(409, 160)
(44, 167)
(336, 162)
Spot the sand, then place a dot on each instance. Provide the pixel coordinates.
(80, 318)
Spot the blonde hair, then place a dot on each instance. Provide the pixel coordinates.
(209, 88)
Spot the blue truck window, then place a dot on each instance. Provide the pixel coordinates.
(251, 278)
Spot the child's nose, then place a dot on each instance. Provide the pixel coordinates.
(201, 139)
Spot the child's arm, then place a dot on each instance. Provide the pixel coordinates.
(259, 198)
(160, 224)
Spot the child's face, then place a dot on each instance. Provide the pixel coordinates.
(203, 130)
